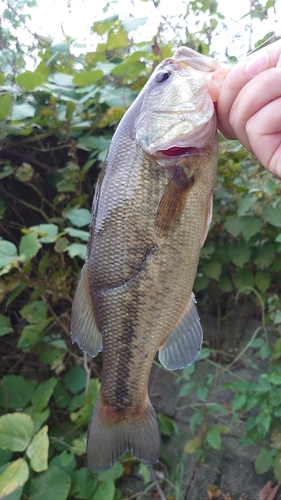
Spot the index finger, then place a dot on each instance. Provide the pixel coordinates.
(238, 77)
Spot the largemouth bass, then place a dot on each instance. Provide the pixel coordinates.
(150, 217)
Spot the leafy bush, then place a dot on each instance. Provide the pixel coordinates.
(56, 124)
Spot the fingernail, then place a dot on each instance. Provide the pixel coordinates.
(257, 65)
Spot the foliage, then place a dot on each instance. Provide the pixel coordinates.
(56, 124)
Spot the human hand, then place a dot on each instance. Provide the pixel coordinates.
(249, 106)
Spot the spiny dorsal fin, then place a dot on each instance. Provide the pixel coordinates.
(173, 201)
(83, 326)
(184, 344)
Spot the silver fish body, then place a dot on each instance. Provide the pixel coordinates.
(150, 217)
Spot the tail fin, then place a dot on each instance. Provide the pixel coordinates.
(109, 438)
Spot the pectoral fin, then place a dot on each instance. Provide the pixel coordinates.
(83, 327)
(173, 201)
(208, 219)
(183, 345)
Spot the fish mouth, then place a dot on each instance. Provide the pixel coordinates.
(177, 151)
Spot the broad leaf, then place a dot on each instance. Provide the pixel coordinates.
(6, 102)
(5, 325)
(79, 217)
(54, 484)
(29, 247)
(22, 111)
(15, 391)
(38, 450)
(14, 476)
(16, 430)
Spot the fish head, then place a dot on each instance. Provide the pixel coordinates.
(176, 114)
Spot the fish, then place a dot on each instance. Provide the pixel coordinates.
(150, 217)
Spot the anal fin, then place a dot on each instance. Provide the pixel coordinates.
(184, 344)
(83, 326)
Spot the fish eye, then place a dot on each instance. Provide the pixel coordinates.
(162, 76)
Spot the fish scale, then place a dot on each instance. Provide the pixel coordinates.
(150, 217)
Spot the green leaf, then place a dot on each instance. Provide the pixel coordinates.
(213, 438)
(234, 225)
(166, 425)
(251, 226)
(38, 450)
(277, 468)
(112, 474)
(38, 417)
(79, 446)
(44, 391)
(30, 80)
(202, 392)
(31, 334)
(201, 282)
(187, 389)
(79, 217)
(225, 284)
(5, 325)
(102, 27)
(262, 280)
(134, 23)
(263, 462)
(239, 253)
(112, 115)
(104, 491)
(272, 215)
(29, 247)
(16, 431)
(193, 444)
(243, 278)
(145, 473)
(62, 79)
(15, 391)
(35, 311)
(87, 77)
(5, 456)
(8, 253)
(14, 476)
(54, 484)
(77, 233)
(6, 171)
(65, 460)
(47, 232)
(83, 484)
(23, 111)
(61, 396)
(77, 250)
(120, 97)
(24, 173)
(263, 255)
(75, 379)
(117, 40)
(195, 420)
(245, 203)
(238, 401)
(6, 103)
(212, 269)
(204, 354)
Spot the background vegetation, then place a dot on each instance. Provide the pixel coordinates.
(56, 123)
